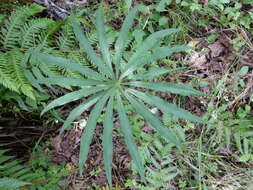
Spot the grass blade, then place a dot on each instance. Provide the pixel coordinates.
(80, 109)
(107, 140)
(129, 139)
(166, 107)
(167, 87)
(89, 130)
(102, 38)
(73, 96)
(85, 45)
(154, 122)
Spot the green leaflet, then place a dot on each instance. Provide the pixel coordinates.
(107, 140)
(129, 139)
(68, 64)
(73, 96)
(66, 81)
(80, 109)
(154, 122)
(167, 87)
(166, 107)
(85, 45)
(89, 130)
(102, 38)
(122, 40)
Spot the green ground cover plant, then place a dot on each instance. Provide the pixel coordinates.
(112, 80)
(39, 174)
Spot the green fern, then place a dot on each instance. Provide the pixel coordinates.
(12, 73)
(160, 169)
(14, 174)
(11, 31)
(66, 39)
(19, 33)
(31, 30)
(5, 77)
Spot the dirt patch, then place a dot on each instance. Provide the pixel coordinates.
(66, 148)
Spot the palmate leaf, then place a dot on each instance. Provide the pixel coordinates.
(85, 45)
(66, 81)
(166, 107)
(107, 139)
(122, 40)
(167, 87)
(102, 38)
(129, 139)
(73, 96)
(89, 129)
(80, 109)
(106, 83)
(68, 64)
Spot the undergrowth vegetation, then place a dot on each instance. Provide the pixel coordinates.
(115, 66)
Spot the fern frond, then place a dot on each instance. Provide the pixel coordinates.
(92, 36)
(160, 165)
(31, 31)
(78, 58)
(66, 40)
(13, 173)
(5, 78)
(14, 77)
(11, 31)
(46, 40)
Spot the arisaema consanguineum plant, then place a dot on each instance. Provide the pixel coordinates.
(109, 83)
